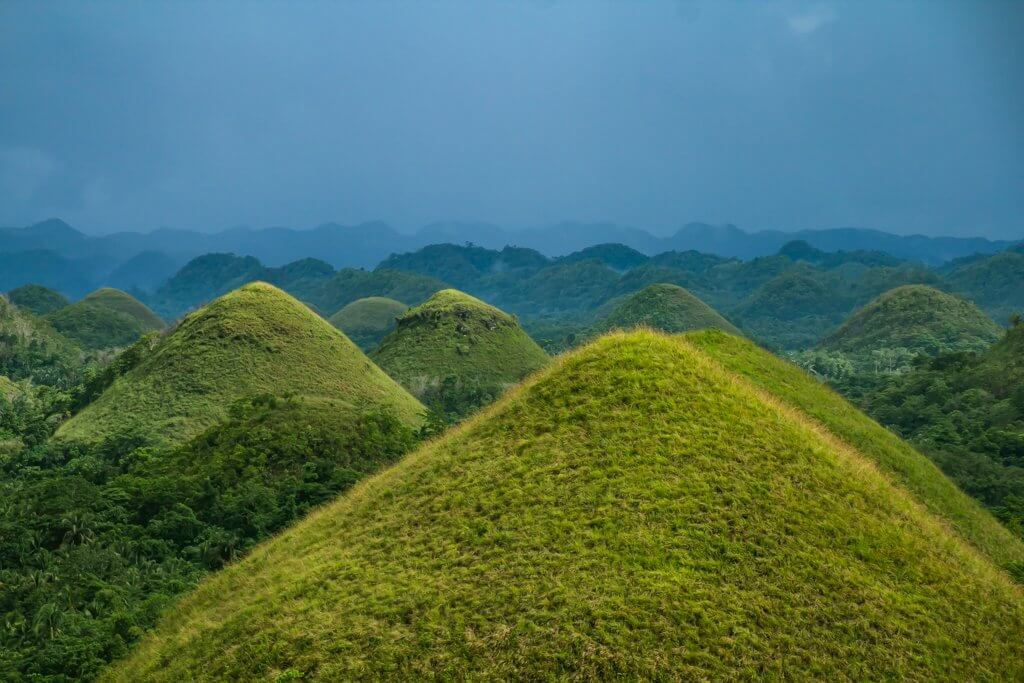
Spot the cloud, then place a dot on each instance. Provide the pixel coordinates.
(23, 171)
(810, 21)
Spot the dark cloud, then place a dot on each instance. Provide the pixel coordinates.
(900, 116)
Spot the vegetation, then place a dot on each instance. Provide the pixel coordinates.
(96, 541)
(252, 341)
(367, 321)
(350, 284)
(457, 353)
(995, 283)
(663, 307)
(31, 348)
(105, 319)
(918, 318)
(37, 299)
(638, 511)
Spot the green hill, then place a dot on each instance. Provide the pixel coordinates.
(995, 283)
(459, 351)
(637, 512)
(37, 299)
(254, 340)
(30, 347)
(107, 318)
(916, 317)
(664, 307)
(366, 321)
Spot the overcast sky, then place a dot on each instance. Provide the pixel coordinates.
(906, 117)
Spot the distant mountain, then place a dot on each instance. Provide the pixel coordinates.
(147, 270)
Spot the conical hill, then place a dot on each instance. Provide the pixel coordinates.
(665, 307)
(637, 511)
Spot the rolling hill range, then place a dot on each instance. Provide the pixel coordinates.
(106, 318)
(668, 308)
(639, 510)
(254, 340)
(919, 318)
(456, 344)
(366, 321)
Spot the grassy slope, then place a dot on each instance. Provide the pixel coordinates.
(894, 456)
(455, 335)
(917, 317)
(637, 511)
(256, 339)
(37, 299)
(664, 307)
(366, 321)
(105, 318)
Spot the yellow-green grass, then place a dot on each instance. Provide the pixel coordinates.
(106, 318)
(916, 317)
(636, 511)
(895, 457)
(254, 340)
(366, 321)
(454, 335)
(664, 307)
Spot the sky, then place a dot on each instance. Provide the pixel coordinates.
(901, 116)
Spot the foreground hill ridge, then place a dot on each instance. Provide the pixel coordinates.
(604, 520)
(457, 336)
(918, 317)
(254, 340)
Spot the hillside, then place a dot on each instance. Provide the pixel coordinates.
(32, 348)
(453, 347)
(37, 299)
(664, 307)
(367, 321)
(635, 512)
(254, 340)
(995, 283)
(916, 317)
(106, 318)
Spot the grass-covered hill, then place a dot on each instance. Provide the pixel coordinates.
(456, 350)
(916, 317)
(367, 321)
(664, 307)
(254, 340)
(37, 299)
(106, 318)
(31, 348)
(638, 511)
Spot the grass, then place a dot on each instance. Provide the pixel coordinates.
(106, 318)
(665, 307)
(454, 335)
(366, 321)
(254, 340)
(891, 454)
(916, 317)
(636, 511)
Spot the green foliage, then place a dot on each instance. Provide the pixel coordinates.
(351, 284)
(918, 318)
(637, 512)
(107, 318)
(367, 321)
(30, 347)
(96, 541)
(457, 353)
(254, 340)
(37, 299)
(995, 283)
(616, 256)
(663, 307)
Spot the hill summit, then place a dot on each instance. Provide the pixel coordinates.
(37, 299)
(105, 318)
(366, 321)
(665, 307)
(254, 340)
(637, 511)
(919, 318)
(454, 345)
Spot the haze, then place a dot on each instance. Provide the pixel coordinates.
(904, 117)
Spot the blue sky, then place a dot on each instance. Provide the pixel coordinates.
(902, 116)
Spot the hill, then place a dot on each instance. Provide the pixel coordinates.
(664, 307)
(367, 321)
(916, 317)
(37, 299)
(254, 340)
(635, 512)
(31, 348)
(107, 318)
(459, 351)
(995, 283)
